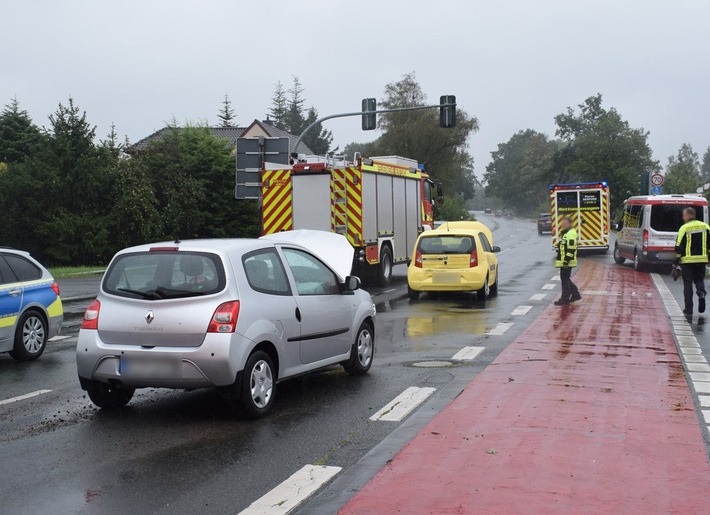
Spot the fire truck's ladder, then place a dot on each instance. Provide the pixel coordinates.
(340, 201)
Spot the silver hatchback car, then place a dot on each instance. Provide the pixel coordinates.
(239, 315)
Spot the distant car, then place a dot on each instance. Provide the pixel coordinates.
(488, 211)
(237, 314)
(508, 213)
(30, 306)
(544, 223)
(456, 257)
(499, 213)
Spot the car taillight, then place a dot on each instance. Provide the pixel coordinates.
(418, 259)
(474, 259)
(91, 316)
(55, 288)
(225, 318)
(645, 238)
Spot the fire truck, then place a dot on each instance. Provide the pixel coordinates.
(380, 205)
(587, 203)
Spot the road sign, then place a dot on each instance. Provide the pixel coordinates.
(251, 154)
(656, 190)
(657, 180)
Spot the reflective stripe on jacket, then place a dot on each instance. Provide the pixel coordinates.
(567, 250)
(691, 246)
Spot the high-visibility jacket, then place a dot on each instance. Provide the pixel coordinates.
(567, 249)
(691, 246)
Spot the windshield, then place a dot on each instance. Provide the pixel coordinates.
(669, 217)
(446, 245)
(165, 275)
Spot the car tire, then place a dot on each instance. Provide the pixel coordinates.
(107, 396)
(638, 265)
(30, 337)
(383, 271)
(620, 260)
(539, 232)
(363, 351)
(258, 389)
(484, 292)
(493, 291)
(413, 294)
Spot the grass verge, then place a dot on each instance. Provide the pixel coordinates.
(67, 272)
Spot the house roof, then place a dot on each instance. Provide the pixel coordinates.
(230, 134)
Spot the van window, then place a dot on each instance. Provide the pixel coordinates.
(165, 275)
(633, 216)
(669, 217)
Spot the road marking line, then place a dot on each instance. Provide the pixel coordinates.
(706, 415)
(288, 495)
(469, 353)
(704, 400)
(697, 367)
(538, 296)
(403, 404)
(701, 387)
(23, 397)
(521, 310)
(601, 293)
(390, 290)
(548, 287)
(703, 377)
(691, 350)
(687, 341)
(692, 358)
(58, 338)
(555, 278)
(500, 329)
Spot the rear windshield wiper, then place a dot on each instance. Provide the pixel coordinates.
(146, 295)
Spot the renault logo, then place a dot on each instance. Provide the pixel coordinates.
(149, 317)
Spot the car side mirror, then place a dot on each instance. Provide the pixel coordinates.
(352, 283)
(496, 248)
(616, 226)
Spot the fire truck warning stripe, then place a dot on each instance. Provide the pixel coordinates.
(276, 200)
(279, 220)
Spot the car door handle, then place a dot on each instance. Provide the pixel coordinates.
(298, 314)
(15, 293)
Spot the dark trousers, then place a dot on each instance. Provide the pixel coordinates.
(569, 289)
(693, 274)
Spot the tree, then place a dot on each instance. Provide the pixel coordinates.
(705, 167)
(279, 106)
(318, 139)
(683, 171)
(19, 136)
(518, 171)
(600, 144)
(226, 115)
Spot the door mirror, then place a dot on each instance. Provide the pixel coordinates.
(352, 283)
(496, 248)
(616, 226)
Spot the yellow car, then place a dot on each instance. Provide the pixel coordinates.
(456, 256)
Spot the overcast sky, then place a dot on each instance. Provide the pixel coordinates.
(512, 63)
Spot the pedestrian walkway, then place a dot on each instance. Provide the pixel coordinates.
(587, 411)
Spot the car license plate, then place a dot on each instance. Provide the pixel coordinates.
(149, 368)
(446, 279)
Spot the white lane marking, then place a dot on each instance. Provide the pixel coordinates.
(691, 350)
(701, 387)
(58, 338)
(697, 367)
(548, 287)
(288, 495)
(23, 397)
(601, 293)
(555, 278)
(521, 310)
(390, 290)
(704, 400)
(693, 358)
(469, 353)
(500, 329)
(688, 341)
(538, 296)
(403, 404)
(703, 377)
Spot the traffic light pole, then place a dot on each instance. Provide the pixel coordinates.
(360, 113)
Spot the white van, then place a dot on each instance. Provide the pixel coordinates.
(649, 226)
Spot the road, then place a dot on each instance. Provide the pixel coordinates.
(180, 452)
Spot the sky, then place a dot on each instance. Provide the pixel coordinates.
(514, 64)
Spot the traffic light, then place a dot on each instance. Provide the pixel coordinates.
(369, 117)
(447, 111)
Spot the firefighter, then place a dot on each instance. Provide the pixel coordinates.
(566, 261)
(691, 253)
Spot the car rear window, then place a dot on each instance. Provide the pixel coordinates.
(446, 245)
(23, 268)
(669, 217)
(165, 275)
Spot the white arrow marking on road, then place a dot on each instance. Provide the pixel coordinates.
(521, 310)
(403, 404)
(23, 397)
(500, 329)
(539, 296)
(548, 287)
(292, 492)
(467, 353)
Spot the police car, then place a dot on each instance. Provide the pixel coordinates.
(30, 307)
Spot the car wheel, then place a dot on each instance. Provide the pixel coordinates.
(384, 267)
(30, 337)
(539, 231)
(413, 295)
(617, 256)
(363, 351)
(484, 292)
(258, 386)
(107, 396)
(638, 265)
(494, 287)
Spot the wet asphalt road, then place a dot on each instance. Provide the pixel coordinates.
(180, 452)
